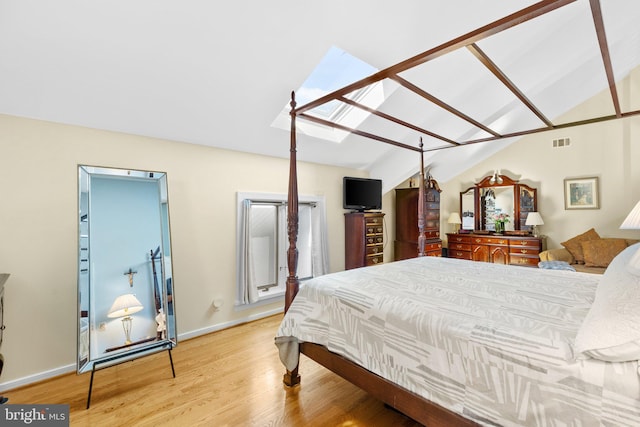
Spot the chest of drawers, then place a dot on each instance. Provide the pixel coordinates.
(364, 239)
(515, 250)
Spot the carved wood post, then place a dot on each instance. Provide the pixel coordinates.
(292, 214)
(421, 185)
(291, 378)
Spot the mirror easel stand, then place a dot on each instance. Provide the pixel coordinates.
(116, 360)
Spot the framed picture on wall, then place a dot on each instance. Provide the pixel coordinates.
(581, 193)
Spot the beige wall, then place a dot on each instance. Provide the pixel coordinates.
(38, 231)
(606, 150)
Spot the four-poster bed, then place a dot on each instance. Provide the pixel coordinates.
(425, 409)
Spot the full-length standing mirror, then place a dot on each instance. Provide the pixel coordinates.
(125, 289)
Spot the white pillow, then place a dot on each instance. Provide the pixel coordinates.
(634, 264)
(611, 329)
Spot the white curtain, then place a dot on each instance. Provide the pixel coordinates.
(247, 291)
(313, 255)
(319, 244)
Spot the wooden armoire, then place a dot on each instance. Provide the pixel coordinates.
(406, 242)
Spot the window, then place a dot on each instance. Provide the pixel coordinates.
(336, 70)
(263, 243)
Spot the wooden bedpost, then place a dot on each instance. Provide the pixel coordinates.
(292, 214)
(421, 183)
(291, 378)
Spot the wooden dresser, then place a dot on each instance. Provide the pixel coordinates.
(364, 239)
(499, 249)
(406, 243)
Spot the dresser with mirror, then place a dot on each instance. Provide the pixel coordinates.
(481, 237)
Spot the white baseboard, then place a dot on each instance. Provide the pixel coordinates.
(66, 369)
(225, 325)
(40, 376)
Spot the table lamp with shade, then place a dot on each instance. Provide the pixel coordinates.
(534, 219)
(632, 222)
(454, 219)
(124, 306)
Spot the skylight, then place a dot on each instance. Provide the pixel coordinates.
(336, 70)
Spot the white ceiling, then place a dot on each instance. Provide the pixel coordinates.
(218, 74)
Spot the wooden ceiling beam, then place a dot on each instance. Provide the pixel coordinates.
(396, 120)
(596, 11)
(443, 105)
(481, 33)
(356, 131)
(491, 66)
(545, 129)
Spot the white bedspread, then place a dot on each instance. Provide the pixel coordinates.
(491, 342)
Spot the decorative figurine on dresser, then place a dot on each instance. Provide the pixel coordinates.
(494, 214)
(3, 279)
(406, 243)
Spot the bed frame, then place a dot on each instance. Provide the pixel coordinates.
(414, 406)
(410, 404)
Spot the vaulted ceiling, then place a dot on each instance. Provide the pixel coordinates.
(218, 74)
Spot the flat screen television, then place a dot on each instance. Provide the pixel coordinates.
(362, 194)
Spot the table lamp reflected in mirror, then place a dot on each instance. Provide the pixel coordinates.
(124, 306)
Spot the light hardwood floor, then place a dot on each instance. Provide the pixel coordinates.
(228, 378)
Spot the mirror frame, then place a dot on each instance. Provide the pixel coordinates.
(100, 335)
(525, 200)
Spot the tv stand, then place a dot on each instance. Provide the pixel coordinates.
(364, 239)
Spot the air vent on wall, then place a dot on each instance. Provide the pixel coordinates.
(561, 142)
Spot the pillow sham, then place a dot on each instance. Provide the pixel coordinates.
(574, 245)
(558, 254)
(600, 252)
(611, 329)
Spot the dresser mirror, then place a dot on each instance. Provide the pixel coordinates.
(493, 195)
(125, 290)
